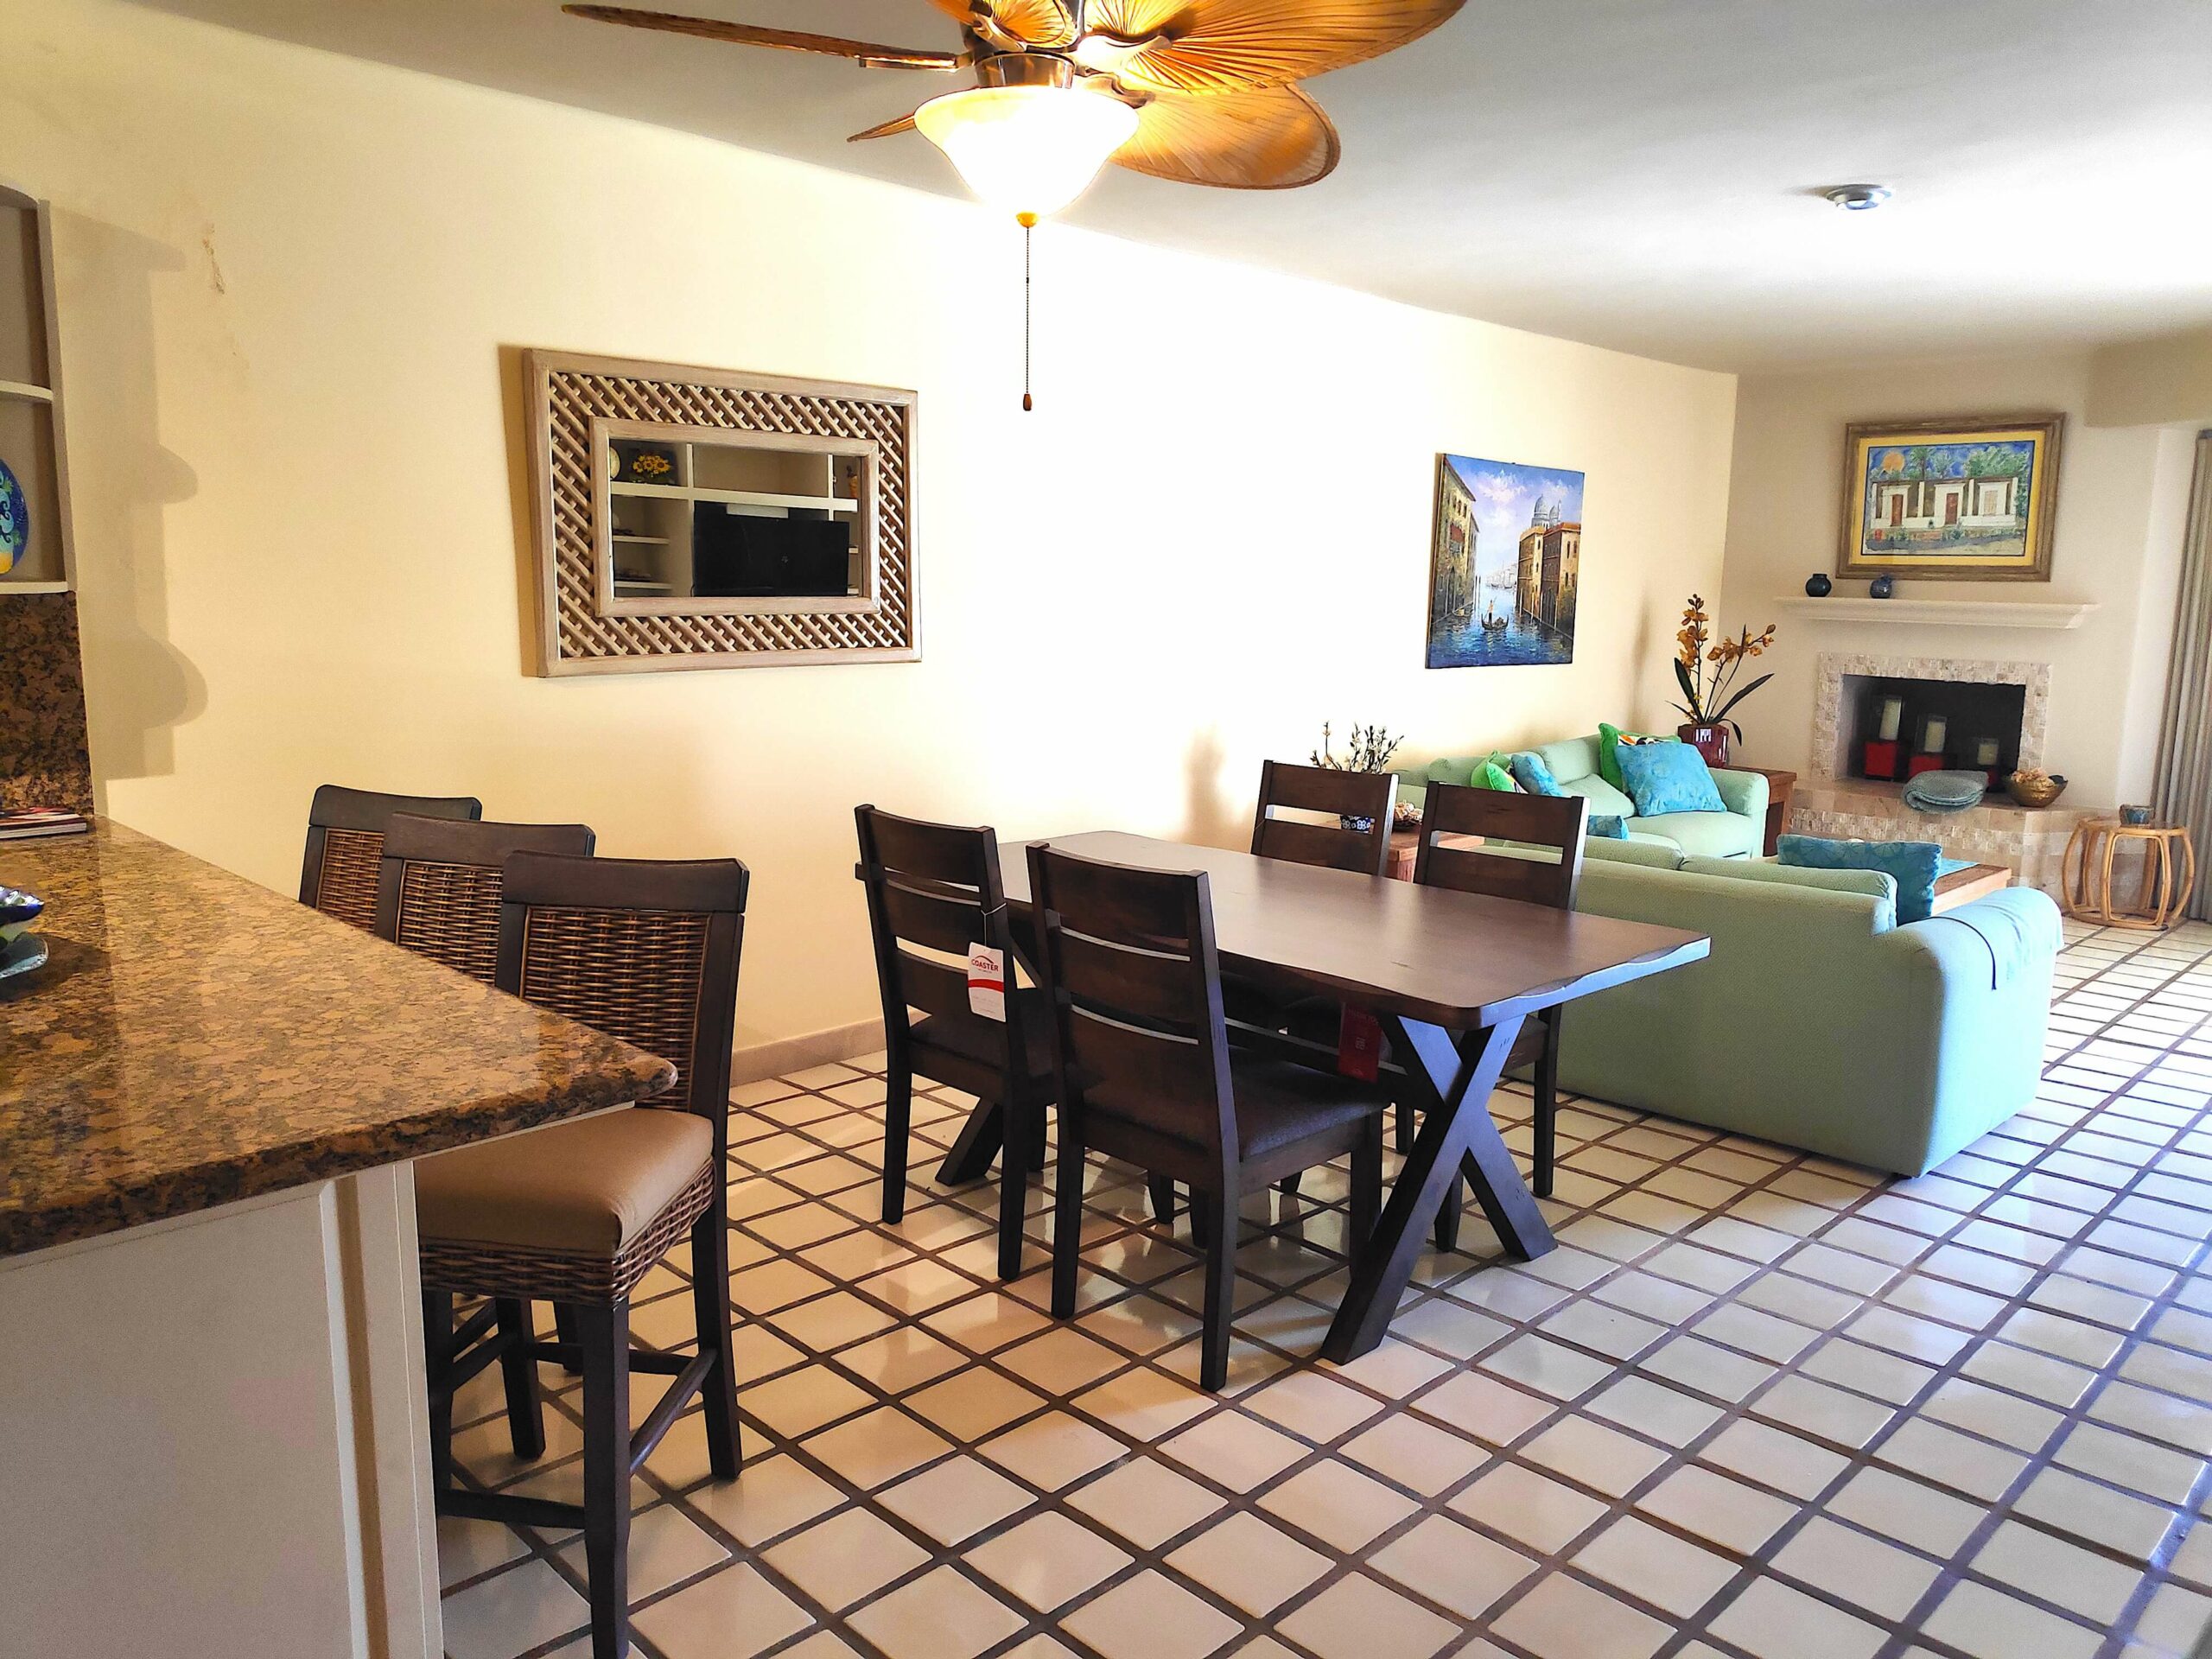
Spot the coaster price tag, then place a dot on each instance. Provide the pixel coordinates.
(987, 981)
(1359, 1044)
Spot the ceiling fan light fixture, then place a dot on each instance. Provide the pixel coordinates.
(1028, 150)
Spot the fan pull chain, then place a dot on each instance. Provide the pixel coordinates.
(1028, 231)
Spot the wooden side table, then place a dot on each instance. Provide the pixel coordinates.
(2169, 873)
(1405, 850)
(1780, 787)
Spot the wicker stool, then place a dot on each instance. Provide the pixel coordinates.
(2169, 873)
(345, 829)
(577, 1213)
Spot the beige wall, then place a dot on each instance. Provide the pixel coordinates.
(2122, 492)
(288, 283)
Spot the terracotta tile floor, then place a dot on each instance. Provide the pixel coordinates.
(1757, 1404)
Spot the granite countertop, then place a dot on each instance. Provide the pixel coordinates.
(196, 1039)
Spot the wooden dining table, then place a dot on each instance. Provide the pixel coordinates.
(1451, 976)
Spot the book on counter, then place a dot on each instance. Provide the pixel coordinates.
(34, 822)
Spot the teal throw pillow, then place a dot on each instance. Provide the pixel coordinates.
(1609, 826)
(1913, 864)
(1610, 739)
(1490, 775)
(1532, 775)
(1664, 778)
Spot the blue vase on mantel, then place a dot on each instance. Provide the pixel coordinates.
(1817, 586)
(1881, 588)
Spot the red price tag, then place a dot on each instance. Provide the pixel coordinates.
(1359, 1044)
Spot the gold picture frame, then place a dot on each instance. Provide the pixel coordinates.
(1969, 499)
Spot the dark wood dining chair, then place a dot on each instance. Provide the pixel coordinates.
(345, 850)
(1349, 797)
(1353, 797)
(1126, 960)
(576, 1214)
(440, 882)
(934, 890)
(1539, 863)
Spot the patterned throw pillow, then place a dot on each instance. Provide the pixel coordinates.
(1914, 864)
(1610, 738)
(1609, 826)
(1532, 775)
(1665, 778)
(1490, 775)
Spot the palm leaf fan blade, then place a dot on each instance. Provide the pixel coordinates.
(787, 39)
(886, 130)
(1215, 46)
(1275, 138)
(1038, 22)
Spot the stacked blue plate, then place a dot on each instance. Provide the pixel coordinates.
(21, 949)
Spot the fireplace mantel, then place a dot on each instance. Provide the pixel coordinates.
(1942, 612)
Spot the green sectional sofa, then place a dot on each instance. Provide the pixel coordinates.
(1817, 1021)
(1741, 832)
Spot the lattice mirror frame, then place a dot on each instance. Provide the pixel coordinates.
(576, 404)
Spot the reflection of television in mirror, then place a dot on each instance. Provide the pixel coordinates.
(739, 556)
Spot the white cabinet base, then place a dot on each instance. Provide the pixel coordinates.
(212, 1439)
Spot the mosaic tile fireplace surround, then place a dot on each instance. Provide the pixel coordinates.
(1832, 802)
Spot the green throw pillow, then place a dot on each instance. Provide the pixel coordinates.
(1609, 760)
(1490, 775)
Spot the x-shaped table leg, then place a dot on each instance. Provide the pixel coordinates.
(1456, 1134)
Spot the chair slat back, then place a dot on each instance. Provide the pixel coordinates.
(339, 874)
(1371, 797)
(644, 949)
(934, 890)
(438, 892)
(1553, 822)
(1128, 965)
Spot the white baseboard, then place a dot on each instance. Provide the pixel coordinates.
(790, 1054)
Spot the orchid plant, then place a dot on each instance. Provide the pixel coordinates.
(1706, 670)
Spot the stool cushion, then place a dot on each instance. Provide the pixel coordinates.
(582, 1188)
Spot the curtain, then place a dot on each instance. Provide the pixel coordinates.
(2184, 775)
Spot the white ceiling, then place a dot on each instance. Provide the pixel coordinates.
(1638, 174)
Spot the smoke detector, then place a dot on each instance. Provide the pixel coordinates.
(1858, 197)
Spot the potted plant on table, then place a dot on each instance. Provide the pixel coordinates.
(1371, 749)
(1706, 670)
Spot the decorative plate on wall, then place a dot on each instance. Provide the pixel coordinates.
(15, 520)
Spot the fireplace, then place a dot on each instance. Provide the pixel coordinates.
(1891, 726)
(1977, 702)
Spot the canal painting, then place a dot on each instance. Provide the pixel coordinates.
(1504, 565)
(1950, 500)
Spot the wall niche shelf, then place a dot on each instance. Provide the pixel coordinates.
(1939, 613)
(31, 440)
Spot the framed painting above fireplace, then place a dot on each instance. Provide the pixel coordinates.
(1971, 500)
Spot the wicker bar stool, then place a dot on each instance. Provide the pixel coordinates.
(440, 880)
(345, 851)
(577, 1213)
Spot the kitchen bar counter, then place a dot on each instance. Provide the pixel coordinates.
(196, 1040)
(212, 1393)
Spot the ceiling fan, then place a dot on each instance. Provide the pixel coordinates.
(1198, 92)
(1201, 91)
